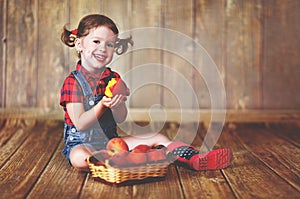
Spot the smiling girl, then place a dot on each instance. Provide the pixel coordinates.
(91, 117)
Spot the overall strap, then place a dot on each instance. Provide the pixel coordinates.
(106, 123)
(83, 82)
(87, 91)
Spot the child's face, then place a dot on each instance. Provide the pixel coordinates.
(97, 48)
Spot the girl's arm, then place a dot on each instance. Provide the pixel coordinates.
(84, 119)
(118, 108)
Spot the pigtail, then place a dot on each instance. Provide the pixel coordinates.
(122, 45)
(68, 37)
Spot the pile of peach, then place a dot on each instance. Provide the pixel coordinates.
(118, 154)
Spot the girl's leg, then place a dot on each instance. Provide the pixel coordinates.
(190, 156)
(78, 156)
(184, 153)
(147, 138)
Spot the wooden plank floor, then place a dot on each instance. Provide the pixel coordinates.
(266, 165)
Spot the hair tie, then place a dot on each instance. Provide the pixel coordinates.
(74, 32)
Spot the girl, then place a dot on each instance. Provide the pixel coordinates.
(91, 117)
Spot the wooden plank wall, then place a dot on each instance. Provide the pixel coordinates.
(255, 45)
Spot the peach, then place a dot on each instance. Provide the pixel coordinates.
(156, 155)
(136, 158)
(118, 160)
(142, 148)
(120, 88)
(116, 146)
(138, 154)
(116, 86)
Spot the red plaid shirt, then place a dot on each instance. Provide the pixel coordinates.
(72, 92)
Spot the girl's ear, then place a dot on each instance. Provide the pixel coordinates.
(78, 45)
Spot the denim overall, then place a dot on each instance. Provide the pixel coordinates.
(100, 133)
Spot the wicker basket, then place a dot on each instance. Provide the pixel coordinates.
(118, 175)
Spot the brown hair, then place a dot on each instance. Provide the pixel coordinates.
(93, 21)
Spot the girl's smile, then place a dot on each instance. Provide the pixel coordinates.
(97, 48)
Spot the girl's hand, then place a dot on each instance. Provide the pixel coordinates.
(106, 101)
(117, 106)
(117, 101)
(114, 102)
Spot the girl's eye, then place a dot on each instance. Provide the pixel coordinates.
(96, 41)
(111, 45)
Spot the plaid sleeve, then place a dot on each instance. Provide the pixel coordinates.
(70, 91)
(116, 74)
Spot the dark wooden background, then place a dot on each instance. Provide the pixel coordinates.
(254, 43)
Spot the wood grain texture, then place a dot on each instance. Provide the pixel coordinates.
(3, 25)
(279, 51)
(256, 178)
(243, 31)
(13, 133)
(174, 115)
(168, 188)
(50, 62)
(209, 184)
(209, 30)
(265, 164)
(254, 45)
(144, 93)
(279, 155)
(21, 60)
(58, 172)
(22, 169)
(289, 133)
(178, 72)
(95, 189)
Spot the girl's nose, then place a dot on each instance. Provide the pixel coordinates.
(102, 46)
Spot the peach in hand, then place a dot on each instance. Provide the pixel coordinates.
(116, 86)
